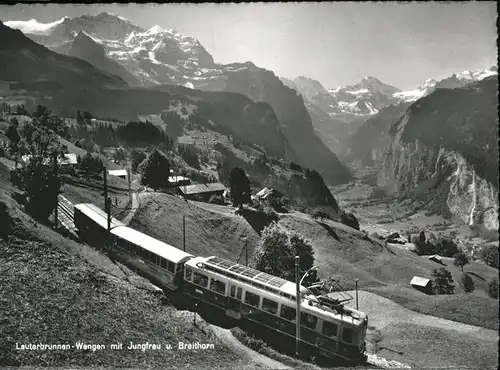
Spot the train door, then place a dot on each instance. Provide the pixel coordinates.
(234, 300)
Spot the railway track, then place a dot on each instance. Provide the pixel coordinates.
(66, 214)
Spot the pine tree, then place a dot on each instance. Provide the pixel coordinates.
(467, 283)
(79, 118)
(442, 282)
(155, 170)
(240, 187)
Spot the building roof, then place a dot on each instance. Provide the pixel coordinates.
(117, 173)
(201, 188)
(177, 178)
(419, 281)
(97, 215)
(435, 257)
(69, 158)
(153, 245)
(266, 192)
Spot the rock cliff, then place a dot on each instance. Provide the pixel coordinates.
(444, 151)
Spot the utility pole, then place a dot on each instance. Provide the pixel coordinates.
(129, 174)
(246, 252)
(107, 205)
(184, 232)
(56, 216)
(357, 294)
(297, 300)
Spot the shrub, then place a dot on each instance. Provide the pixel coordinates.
(319, 213)
(491, 255)
(349, 219)
(467, 283)
(216, 199)
(493, 288)
(442, 282)
(271, 215)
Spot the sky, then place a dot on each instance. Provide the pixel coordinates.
(335, 43)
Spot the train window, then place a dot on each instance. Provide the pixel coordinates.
(164, 263)
(171, 267)
(288, 313)
(239, 293)
(200, 279)
(233, 291)
(217, 286)
(187, 273)
(329, 329)
(347, 335)
(252, 299)
(269, 306)
(308, 321)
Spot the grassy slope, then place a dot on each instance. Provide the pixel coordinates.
(388, 271)
(340, 251)
(210, 230)
(55, 291)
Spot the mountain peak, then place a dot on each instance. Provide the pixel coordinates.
(155, 29)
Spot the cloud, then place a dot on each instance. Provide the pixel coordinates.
(33, 26)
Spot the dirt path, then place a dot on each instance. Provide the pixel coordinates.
(422, 340)
(228, 338)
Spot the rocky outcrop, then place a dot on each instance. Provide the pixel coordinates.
(444, 151)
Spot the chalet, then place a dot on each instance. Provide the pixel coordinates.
(266, 194)
(436, 258)
(118, 173)
(175, 181)
(202, 192)
(66, 164)
(422, 284)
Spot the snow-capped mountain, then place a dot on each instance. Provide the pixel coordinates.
(457, 80)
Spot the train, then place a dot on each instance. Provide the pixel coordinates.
(241, 293)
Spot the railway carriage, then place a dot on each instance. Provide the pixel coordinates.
(159, 261)
(92, 223)
(247, 294)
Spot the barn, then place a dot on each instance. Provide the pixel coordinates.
(422, 284)
(202, 192)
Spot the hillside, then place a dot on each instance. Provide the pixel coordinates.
(210, 229)
(157, 57)
(447, 142)
(57, 291)
(30, 66)
(340, 252)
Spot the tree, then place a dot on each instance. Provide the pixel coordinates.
(460, 260)
(90, 164)
(491, 255)
(493, 288)
(14, 138)
(276, 254)
(37, 178)
(136, 157)
(467, 283)
(445, 247)
(240, 187)
(87, 117)
(442, 282)
(79, 118)
(155, 170)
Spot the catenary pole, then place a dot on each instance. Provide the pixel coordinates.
(297, 300)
